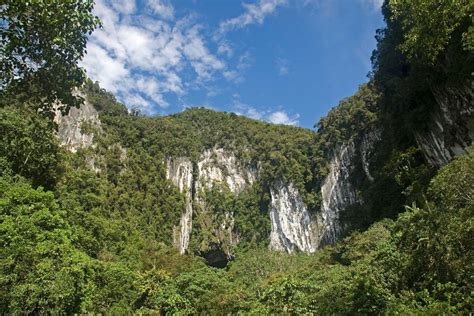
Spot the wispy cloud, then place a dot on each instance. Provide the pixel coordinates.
(161, 7)
(254, 14)
(244, 61)
(148, 54)
(281, 117)
(283, 66)
(124, 6)
(275, 116)
(224, 47)
(144, 58)
(241, 108)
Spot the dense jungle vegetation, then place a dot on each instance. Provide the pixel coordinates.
(76, 239)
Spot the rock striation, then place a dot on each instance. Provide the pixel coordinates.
(449, 129)
(180, 172)
(70, 127)
(214, 166)
(293, 228)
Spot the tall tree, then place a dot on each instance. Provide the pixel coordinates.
(42, 42)
(429, 25)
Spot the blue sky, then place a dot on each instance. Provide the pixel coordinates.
(282, 61)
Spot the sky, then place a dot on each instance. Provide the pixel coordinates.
(281, 61)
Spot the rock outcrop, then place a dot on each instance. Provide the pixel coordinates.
(220, 166)
(366, 145)
(293, 228)
(70, 127)
(337, 192)
(215, 166)
(448, 132)
(180, 172)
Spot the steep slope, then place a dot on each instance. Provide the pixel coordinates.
(244, 182)
(119, 223)
(307, 187)
(207, 155)
(211, 156)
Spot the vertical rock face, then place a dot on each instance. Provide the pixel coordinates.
(180, 172)
(448, 132)
(337, 193)
(70, 133)
(292, 226)
(215, 166)
(220, 166)
(366, 144)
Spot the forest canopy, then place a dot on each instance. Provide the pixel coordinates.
(91, 231)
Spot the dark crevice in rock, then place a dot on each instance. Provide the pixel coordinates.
(216, 258)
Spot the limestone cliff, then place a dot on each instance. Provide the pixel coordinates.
(70, 127)
(450, 124)
(180, 172)
(294, 227)
(214, 166)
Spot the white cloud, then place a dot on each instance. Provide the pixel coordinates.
(247, 110)
(225, 48)
(254, 14)
(137, 101)
(124, 6)
(245, 61)
(163, 8)
(104, 68)
(203, 62)
(232, 75)
(143, 58)
(281, 117)
(148, 54)
(269, 115)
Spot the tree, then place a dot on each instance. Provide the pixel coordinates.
(41, 44)
(41, 270)
(28, 146)
(428, 25)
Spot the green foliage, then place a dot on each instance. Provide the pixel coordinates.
(102, 253)
(421, 50)
(41, 270)
(287, 296)
(28, 146)
(347, 120)
(281, 152)
(346, 123)
(103, 101)
(41, 44)
(101, 243)
(442, 235)
(220, 210)
(159, 294)
(428, 25)
(419, 264)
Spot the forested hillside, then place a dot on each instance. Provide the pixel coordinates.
(106, 210)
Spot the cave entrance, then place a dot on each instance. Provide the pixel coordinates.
(216, 258)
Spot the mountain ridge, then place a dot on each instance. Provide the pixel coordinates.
(213, 213)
